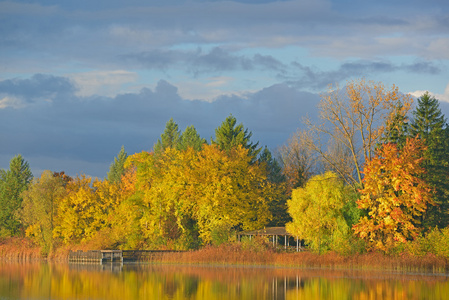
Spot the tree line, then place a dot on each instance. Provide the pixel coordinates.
(370, 174)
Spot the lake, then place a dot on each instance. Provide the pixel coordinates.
(140, 281)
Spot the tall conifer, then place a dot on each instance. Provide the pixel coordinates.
(229, 135)
(117, 168)
(429, 124)
(171, 138)
(12, 183)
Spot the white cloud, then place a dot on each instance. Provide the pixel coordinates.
(444, 97)
(9, 101)
(103, 83)
(441, 97)
(209, 89)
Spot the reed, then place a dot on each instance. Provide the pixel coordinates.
(255, 253)
(19, 249)
(235, 254)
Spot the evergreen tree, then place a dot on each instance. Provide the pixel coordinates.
(191, 138)
(12, 183)
(278, 205)
(171, 138)
(274, 170)
(429, 124)
(229, 135)
(397, 130)
(117, 168)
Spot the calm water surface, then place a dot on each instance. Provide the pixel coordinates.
(45, 281)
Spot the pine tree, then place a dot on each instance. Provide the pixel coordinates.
(274, 170)
(397, 129)
(12, 183)
(171, 138)
(229, 135)
(278, 206)
(429, 124)
(191, 138)
(117, 168)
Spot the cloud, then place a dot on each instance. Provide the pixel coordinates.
(105, 83)
(92, 129)
(314, 78)
(198, 61)
(441, 97)
(39, 87)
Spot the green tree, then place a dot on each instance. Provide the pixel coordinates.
(39, 208)
(397, 128)
(278, 206)
(191, 138)
(117, 168)
(171, 138)
(230, 135)
(429, 124)
(316, 210)
(12, 183)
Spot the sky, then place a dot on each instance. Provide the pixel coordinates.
(79, 79)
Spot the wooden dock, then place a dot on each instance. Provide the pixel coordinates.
(112, 256)
(95, 256)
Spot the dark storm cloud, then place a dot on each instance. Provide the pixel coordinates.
(37, 87)
(92, 129)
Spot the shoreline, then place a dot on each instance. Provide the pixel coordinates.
(22, 250)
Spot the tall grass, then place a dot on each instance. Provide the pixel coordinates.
(19, 249)
(251, 253)
(238, 254)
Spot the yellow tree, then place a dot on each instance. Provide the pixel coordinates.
(394, 195)
(85, 209)
(316, 211)
(39, 208)
(230, 191)
(353, 122)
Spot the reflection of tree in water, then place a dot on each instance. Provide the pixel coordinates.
(43, 281)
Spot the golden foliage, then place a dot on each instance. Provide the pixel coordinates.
(394, 195)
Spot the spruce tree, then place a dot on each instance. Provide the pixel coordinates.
(278, 205)
(171, 138)
(191, 138)
(117, 168)
(429, 124)
(229, 135)
(396, 130)
(12, 183)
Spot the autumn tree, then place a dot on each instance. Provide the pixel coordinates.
(297, 161)
(39, 208)
(117, 169)
(394, 195)
(232, 192)
(316, 210)
(12, 183)
(85, 209)
(188, 196)
(429, 124)
(353, 121)
(229, 135)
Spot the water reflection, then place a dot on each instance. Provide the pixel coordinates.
(115, 281)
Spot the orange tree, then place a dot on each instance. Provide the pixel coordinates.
(394, 196)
